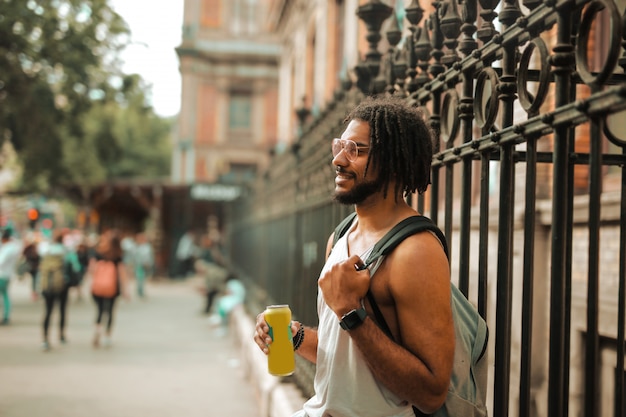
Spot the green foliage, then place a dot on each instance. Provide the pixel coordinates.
(118, 141)
(66, 108)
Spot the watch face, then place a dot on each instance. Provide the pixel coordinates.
(353, 319)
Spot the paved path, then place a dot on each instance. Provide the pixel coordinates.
(165, 361)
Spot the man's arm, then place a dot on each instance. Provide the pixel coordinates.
(417, 308)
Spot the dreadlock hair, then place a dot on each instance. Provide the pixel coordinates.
(401, 144)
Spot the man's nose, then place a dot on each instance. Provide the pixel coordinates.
(341, 159)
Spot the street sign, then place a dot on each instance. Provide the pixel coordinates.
(215, 192)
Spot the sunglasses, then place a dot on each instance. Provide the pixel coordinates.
(349, 147)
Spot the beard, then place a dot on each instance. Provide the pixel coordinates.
(359, 193)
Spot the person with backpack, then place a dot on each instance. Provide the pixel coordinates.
(55, 268)
(383, 155)
(108, 281)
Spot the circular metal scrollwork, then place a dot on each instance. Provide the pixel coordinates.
(615, 28)
(529, 103)
(615, 128)
(450, 116)
(486, 103)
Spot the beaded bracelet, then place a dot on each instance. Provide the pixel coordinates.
(298, 338)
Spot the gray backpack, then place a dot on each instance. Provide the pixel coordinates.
(52, 274)
(468, 384)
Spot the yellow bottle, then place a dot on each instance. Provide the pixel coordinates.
(281, 358)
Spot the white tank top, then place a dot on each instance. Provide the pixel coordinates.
(344, 385)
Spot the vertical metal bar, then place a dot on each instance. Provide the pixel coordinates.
(465, 223)
(528, 277)
(567, 309)
(434, 202)
(620, 407)
(592, 339)
(448, 204)
(466, 184)
(504, 273)
(421, 203)
(567, 282)
(434, 195)
(483, 246)
(563, 59)
(467, 46)
(434, 69)
(508, 16)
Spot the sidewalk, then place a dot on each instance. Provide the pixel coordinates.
(165, 361)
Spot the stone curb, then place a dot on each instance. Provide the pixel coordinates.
(276, 398)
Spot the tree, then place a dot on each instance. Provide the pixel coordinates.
(62, 94)
(120, 140)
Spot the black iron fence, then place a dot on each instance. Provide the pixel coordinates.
(529, 103)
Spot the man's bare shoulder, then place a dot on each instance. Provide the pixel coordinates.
(422, 247)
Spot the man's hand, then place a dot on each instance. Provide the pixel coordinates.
(344, 286)
(262, 332)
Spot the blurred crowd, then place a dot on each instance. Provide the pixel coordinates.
(71, 264)
(58, 265)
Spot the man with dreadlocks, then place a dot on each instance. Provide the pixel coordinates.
(383, 155)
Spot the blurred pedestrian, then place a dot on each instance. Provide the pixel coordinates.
(108, 281)
(128, 250)
(234, 294)
(10, 253)
(58, 264)
(186, 254)
(32, 258)
(211, 265)
(143, 261)
(83, 254)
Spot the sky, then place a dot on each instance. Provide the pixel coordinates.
(156, 29)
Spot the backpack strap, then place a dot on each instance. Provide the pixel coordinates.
(407, 227)
(343, 227)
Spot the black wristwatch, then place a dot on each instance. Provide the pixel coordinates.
(353, 319)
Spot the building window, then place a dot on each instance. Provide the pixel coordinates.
(211, 13)
(245, 16)
(239, 173)
(240, 111)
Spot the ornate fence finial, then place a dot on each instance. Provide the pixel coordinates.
(396, 64)
(435, 68)
(373, 14)
(510, 12)
(487, 30)
(414, 14)
(423, 48)
(468, 44)
(451, 29)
